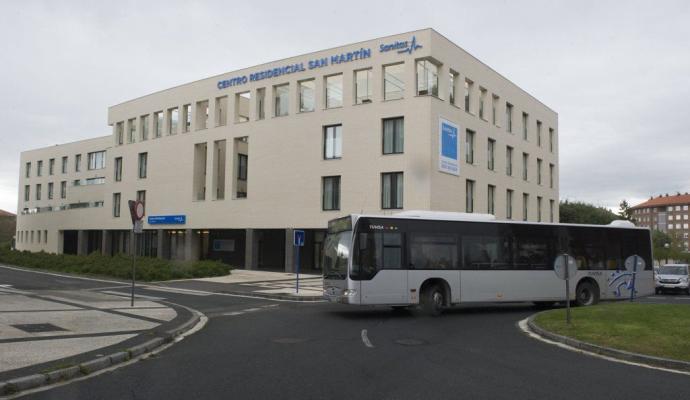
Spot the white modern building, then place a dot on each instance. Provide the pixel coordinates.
(230, 165)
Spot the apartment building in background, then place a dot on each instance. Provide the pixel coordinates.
(669, 214)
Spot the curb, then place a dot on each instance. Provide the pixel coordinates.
(16, 385)
(269, 296)
(660, 362)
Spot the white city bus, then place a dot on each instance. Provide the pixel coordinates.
(438, 259)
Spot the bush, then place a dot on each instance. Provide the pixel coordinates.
(118, 266)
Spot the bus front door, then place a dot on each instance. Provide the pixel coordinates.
(388, 286)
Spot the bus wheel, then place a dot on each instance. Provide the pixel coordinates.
(433, 300)
(586, 294)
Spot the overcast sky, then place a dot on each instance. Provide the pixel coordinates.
(617, 72)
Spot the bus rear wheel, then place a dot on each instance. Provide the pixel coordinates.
(433, 300)
(586, 294)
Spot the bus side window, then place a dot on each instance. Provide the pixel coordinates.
(433, 251)
(392, 250)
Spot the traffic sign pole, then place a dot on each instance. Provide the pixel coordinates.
(134, 258)
(634, 274)
(567, 290)
(298, 248)
(297, 241)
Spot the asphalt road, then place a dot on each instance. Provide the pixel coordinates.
(260, 349)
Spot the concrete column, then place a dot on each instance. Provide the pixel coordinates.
(443, 82)
(191, 245)
(163, 244)
(60, 242)
(251, 249)
(106, 243)
(289, 251)
(82, 237)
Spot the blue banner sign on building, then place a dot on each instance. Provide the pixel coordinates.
(167, 219)
(448, 147)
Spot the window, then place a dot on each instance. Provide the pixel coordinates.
(201, 114)
(469, 196)
(280, 99)
(509, 204)
(469, 85)
(525, 121)
(551, 166)
(187, 117)
(525, 162)
(27, 170)
(222, 110)
(392, 190)
(393, 81)
(363, 87)
(469, 147)
(260, 102)
(96, 160)
(494, 107)
(538, 133)
(393, 135)
(131, 130)
(116, 204)
(144, 122)
(432, 251)
(143, 160)
(490, 196)
(551, 139)
(509, 118)
(158, 124)
(141, 197)
(242, 164)
(376, 251)
(491, 145)
(332, 142)
(525, 205)
(488, 252)
(427, 78)
(242, 101)
(50, 190)
(452, 81)
(482, 100)
(77, 163)
(307, 95)
(334, 91)
(118, 169)
(63, 167)
(173, 120)
(63, 189)
(330, 199)
(551, 203)
(38, 191)
(539, 162)
(51, 166)
(39, 168)
(119, 133)
(509, 161)
(27, 192)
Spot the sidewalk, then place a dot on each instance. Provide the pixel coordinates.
(47, 331)
(265, 284)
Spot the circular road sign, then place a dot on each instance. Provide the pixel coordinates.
(559, 266)
(139, 210)
(630, 263)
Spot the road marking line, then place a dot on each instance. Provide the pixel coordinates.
(61, 275)
(365, 339)
(129, 295)
(177, 290)
(523, 326)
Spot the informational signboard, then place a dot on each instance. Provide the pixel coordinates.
(167, 219)
(560, 269)
(448, 147)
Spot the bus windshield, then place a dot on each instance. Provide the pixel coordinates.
(336, 253)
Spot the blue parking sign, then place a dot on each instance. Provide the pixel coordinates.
(298, 238)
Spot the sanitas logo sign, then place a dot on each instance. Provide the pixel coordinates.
(407, 46)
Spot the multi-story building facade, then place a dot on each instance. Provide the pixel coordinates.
(670, 214)
(228, 166)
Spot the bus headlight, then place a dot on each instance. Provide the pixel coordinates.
(349, 292)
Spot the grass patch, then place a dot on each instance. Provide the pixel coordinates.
(118, 266)
(661, 330)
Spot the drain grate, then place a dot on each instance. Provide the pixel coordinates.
(39, 328)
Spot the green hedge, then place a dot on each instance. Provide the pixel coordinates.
(119, 266)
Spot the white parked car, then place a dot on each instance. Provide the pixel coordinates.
(672, 277)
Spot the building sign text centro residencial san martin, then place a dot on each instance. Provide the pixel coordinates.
(448, 147)
(400, 46)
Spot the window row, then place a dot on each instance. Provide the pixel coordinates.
(70, 206)
(95, 161)
(117, 201)
(391, 191)
(470, 194)
(28, 236)
(38, 192)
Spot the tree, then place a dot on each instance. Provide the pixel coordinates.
(578, 212)
(625, 211)
(666, 247)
